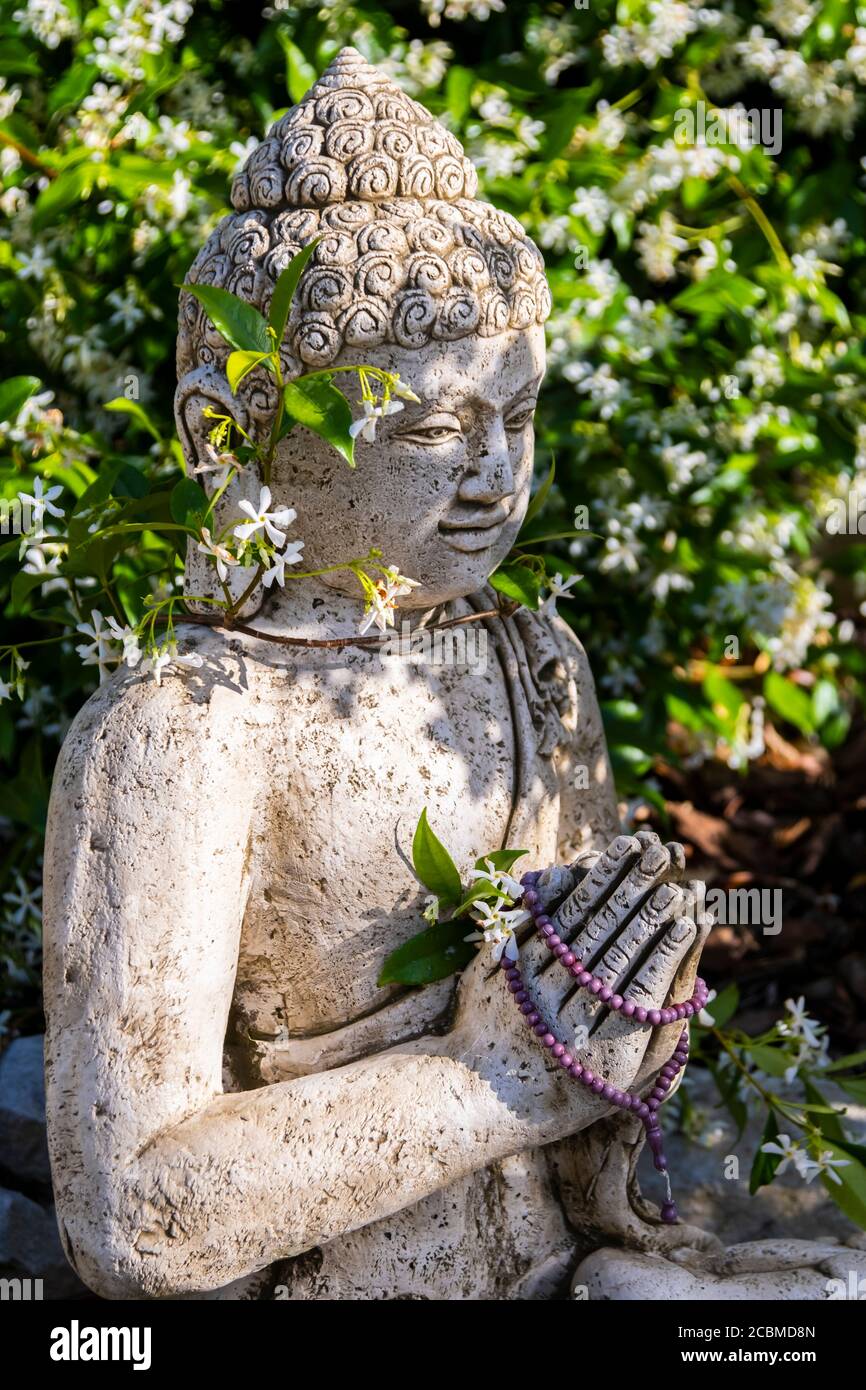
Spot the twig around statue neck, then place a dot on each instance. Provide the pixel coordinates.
(232, 625)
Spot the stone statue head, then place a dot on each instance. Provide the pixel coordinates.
(412, 274)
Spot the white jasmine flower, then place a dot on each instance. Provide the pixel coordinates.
(498, 879)
(558, 589)
(785, 1148)
(366, 426)
(24, 902)
(497, 926)
(402, 388)
(222, 556)
(96, 652)
(798, 1024)
(128, 637)
(277, 573)
(39, 560)
(42, 500)
(704, 1018)
(825, 1165)
(658, 247)
(5, 691)
(262, 519)
(157, 661)
(34, 265)
(593, 206)
(379, 605)
(219, 463)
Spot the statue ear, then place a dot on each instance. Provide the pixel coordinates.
(207, 387)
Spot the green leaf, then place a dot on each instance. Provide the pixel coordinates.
(764, 1165)
(320, 407)
(717, 294)
(300, 75)
(825, 701)
(517, 582)
(284, 289)
(433, 954)
(482, 888)
(850, 1193)
(477, 893)
(188, 503)
(14, 392)
(855, 1087)
(789, 701)
(458, 91)
(240, 364)
(854, 1059)
(628, 758)
(724, 1006)
(727, 1080)
(433, 864)
(68, 188)
(830, 1124)
(540, 497)
(136, 412)
(240, 323)
(723, 695)
(22, 585)
(502, 859)
(770, 1059)
(72, 87)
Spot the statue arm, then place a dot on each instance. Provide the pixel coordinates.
(165, 1184)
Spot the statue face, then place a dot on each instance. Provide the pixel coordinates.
(443, 489)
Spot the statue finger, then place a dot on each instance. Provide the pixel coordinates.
(620, 963)
(655, 866)
(684, 983)
(597, 885)
(552, 886)
(651, 987)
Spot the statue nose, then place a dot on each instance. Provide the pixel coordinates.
(490, 476)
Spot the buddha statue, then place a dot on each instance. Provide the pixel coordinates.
(237, 1109)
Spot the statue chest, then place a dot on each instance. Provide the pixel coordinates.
(355, 755)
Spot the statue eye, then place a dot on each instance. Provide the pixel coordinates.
(440, 429)
(521, 416)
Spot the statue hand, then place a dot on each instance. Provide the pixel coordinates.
(622, 915)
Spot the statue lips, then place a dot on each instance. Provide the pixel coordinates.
(476, 529)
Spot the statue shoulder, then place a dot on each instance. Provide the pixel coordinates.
(133, 722)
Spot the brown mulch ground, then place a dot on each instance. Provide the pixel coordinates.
(796, 822)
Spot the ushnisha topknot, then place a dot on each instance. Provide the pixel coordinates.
(407, 254)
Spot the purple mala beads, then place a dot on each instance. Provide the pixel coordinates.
(646, 1110)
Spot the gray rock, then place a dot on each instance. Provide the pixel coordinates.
(30, 1247)
(23, 1147)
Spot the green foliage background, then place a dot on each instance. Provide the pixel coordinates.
(706, 400)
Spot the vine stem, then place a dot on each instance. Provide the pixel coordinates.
(206, 620)
(763, 221)
(772, 1101)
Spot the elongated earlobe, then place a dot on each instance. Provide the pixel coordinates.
(206, 389)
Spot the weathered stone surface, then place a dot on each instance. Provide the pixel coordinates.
(23, 1146)
(779, 1270)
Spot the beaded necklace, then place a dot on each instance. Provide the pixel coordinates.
(645, 1110)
